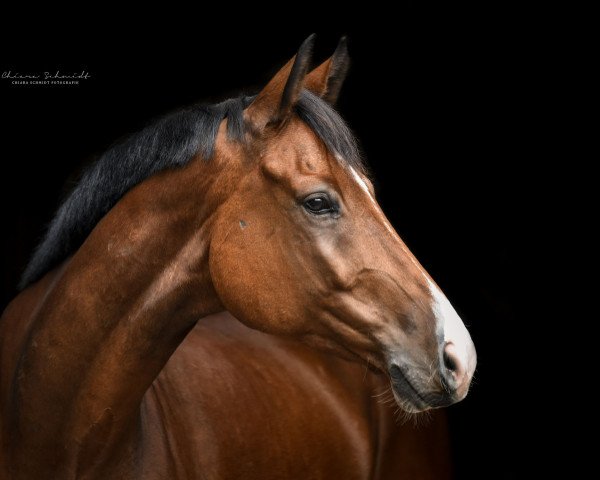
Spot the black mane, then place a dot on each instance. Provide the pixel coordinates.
(170, 142)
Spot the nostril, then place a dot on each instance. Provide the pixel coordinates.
(452, 361)
(449, 362)
(456, 371)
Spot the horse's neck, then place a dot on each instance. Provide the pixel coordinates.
(112, 316)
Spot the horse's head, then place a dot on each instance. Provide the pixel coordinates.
(302, 248)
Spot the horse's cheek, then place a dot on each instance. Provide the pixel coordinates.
(242, 276)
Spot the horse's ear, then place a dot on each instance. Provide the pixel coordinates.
(326, 80)
(275, 102)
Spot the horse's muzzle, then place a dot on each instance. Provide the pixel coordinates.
(419, 389)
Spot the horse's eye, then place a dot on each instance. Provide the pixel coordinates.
(318, 204)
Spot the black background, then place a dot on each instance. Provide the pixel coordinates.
(443, 100)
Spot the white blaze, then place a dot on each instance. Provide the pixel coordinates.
(361, 183)
(359, 180)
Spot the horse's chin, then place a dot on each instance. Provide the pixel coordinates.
(408, 403)
(415, 394)
(407, 394)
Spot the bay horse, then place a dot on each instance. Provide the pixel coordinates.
(179, 318)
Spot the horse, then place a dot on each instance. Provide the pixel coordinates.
(221, 296)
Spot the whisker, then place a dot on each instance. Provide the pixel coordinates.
(366, 368)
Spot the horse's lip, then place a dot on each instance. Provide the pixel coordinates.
(403, 386)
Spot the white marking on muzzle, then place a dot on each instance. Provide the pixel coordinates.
(453, 327)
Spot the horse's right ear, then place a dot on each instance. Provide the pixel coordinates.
(275, 103)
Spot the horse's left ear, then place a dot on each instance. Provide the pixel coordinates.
(276, 101)
(326, 80)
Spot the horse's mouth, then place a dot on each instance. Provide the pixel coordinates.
(407, 395)
(413, 399)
